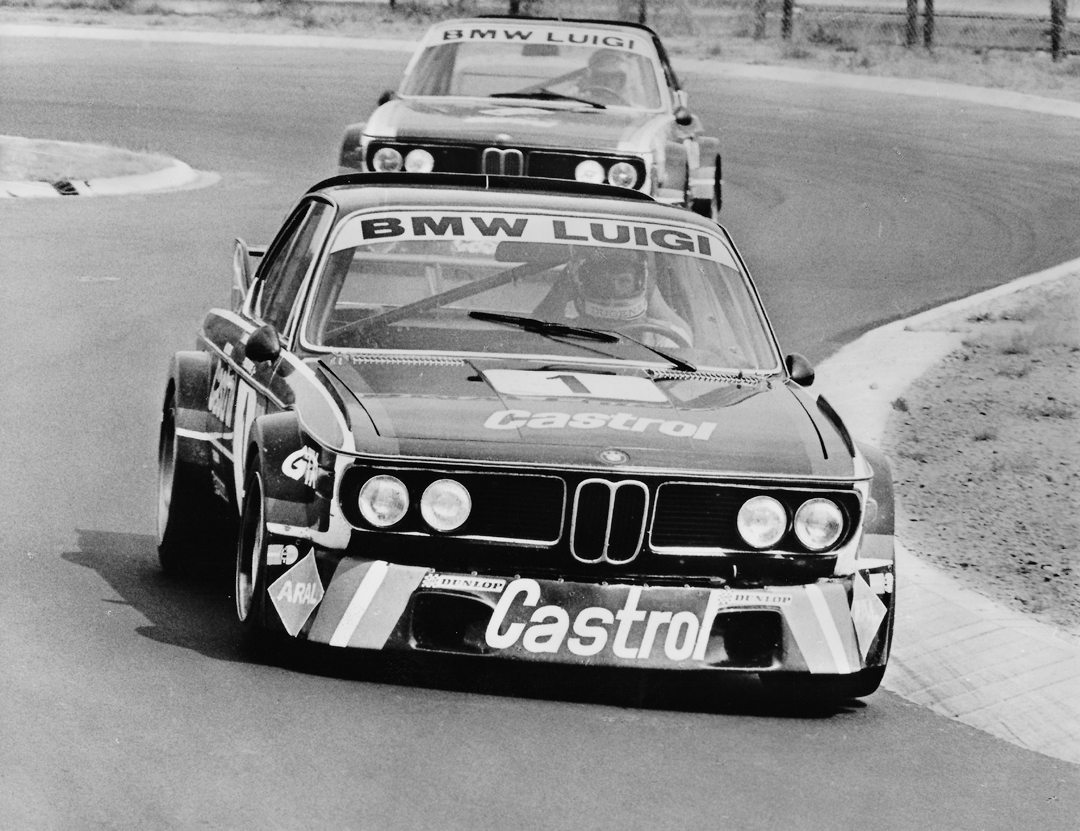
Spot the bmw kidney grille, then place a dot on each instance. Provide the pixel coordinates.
(609, 521)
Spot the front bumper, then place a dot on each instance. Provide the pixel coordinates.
(834, 626)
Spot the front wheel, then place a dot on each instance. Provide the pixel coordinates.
(250, 589)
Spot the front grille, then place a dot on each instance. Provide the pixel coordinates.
(525, 508)
(703, 516)
(498, 162)
(609, 521)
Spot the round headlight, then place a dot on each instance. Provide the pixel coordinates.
(762, 521)
(623, 175)
(591, 171)
(383, 500)
(445, 505)
(386, 160)
(419, 161)
(818, 523)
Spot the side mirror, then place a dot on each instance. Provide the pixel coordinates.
(800, 369)
(263, 344)
(683, 117)
(388, 95)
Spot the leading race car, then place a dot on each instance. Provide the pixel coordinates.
(534, 420)
(594, 101)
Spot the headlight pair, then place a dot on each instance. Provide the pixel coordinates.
(763, 521)
(389, 160)
(620, 174)
(384, 500)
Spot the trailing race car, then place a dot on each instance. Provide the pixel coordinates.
(530, 419)
(592, 101)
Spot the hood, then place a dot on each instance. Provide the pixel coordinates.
(516, 123)
(459, 410)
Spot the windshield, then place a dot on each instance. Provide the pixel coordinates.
(536, 284)
(539, 62)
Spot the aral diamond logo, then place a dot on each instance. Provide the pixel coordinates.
(867, 612)
(296, 593)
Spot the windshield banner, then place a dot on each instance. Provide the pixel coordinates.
(492, 228)
(557, 35)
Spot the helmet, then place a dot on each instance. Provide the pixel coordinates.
(607, 68)
(610, 283)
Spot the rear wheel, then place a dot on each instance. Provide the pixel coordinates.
(190, 528)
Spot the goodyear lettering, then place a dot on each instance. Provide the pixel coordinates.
(223, 395)
(524, 419)
(633, 633)
(302, 465)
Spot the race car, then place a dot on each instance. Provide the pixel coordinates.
(534, 420)
(585, 100)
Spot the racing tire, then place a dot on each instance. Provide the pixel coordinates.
(250, 584)
(806, 691)
(191, 531)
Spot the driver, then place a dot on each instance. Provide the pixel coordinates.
(607, 76)
(611, 289)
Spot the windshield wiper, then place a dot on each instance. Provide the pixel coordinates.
(548, 95)
(546, 327)
(550, 327)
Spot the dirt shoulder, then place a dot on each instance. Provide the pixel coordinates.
(986, 449)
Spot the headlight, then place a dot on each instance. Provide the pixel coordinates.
(383, 500)
(386, 160)
(419, 161)
(818, 523)
(445, 505)
(762, 521)
(591, 171)
(623, 175)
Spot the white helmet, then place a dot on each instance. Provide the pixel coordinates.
(611, 283)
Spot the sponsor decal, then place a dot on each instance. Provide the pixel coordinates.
(558, 36)
(755, 598)
(370, 228)
(867, 613)
(282, 555)
(296, 593)
(463, 582)
(302, 465)
(525, 419)
(223, 395)
(630, 633)
(519, 382)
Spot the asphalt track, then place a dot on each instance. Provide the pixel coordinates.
(126, 702)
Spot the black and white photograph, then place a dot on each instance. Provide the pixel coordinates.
(484, 414)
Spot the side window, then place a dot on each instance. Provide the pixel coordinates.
(289, 262)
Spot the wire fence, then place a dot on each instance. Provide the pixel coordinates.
(1023, 25)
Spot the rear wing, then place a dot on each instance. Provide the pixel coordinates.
(246, 260)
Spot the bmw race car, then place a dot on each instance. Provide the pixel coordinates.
(592, 101)
(535, 420)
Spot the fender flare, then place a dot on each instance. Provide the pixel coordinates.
(351, 158)
(189, 382)
(881, 491)
(278, 443)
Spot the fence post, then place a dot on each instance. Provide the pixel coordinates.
(760, 7)
(912, 22)
(1057, 28)
(928, 24)
(785, 20)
